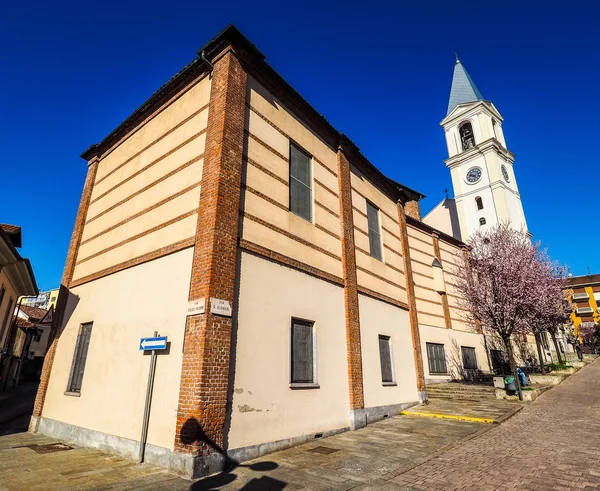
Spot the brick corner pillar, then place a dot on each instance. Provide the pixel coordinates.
(353, 343)
(204, 386)
(445, 305)
(80, 219)
(412, 304)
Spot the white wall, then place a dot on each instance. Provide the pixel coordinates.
(125, 307)
(265, 408)
(377, 318)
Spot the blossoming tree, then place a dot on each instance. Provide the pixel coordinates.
(509, 285)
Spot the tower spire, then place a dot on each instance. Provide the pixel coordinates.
(463, 88)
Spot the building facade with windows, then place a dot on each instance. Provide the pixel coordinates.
(300, 290)
(16, 280)
(584, 294)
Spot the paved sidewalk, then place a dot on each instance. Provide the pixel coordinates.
(554, 443)
(490, 410)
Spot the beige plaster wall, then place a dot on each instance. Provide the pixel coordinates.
(379, 318)
(161, 159)
(452, 340)
(9, 293)
(271, 127)
(125, 307)
(265, 408)
(386, 276)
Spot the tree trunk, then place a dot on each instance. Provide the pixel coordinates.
(539, 350)
(510, 353)
(560, 360)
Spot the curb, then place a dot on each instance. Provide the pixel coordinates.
(472, 419)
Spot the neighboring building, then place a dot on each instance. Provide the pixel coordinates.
(584, 294)
(45, 300)
(483, 178)
(299, 290)
(34, 327)
(16, 280)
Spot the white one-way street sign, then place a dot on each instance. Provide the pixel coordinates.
(155, 343)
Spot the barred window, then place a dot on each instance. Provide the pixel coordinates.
(374, 233)
(80, 357)
(436, 357)
(302, 352)
(300, 183)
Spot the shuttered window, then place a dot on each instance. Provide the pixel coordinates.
(300, 183)
(302, 352)
(385, 358)
(436, 356)
(374, 234)
(80, 357)
(469, 358)
(5, 322)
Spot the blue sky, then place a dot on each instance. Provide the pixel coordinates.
(378, 71)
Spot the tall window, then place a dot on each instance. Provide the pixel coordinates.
(479, 203)
(482, 221)
(300, 183)
(467, 138)
(2, 292)
(303, 371)
(374, 233)
(80, 357)
(5, 322)
(385, 358)
(436, 357)
(469, 358)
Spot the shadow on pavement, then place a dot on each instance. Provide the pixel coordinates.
(192, 433)
(16, 408)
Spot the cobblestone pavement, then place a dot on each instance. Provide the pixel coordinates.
(554, 443)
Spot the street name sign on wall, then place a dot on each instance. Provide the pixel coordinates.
(220, 307)
(196, 306)
(156, 343)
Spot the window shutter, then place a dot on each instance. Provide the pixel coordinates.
(469, 358)
(80, 357)
(385, 358)
(302, 352)
(436, 357)
(374, 237)
(300, 183)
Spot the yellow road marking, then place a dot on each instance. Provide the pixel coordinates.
(447, 416)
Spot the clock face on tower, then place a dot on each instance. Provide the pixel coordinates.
(473, 175)
(505, 174)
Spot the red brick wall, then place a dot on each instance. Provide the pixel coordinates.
(412, 302)
(206, 351)
(355, 380)
(413, 209)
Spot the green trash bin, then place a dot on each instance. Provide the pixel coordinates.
(509, 384)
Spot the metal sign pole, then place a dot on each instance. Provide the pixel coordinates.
(148, 400)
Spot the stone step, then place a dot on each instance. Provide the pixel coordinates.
(453, 389)
(461, 397)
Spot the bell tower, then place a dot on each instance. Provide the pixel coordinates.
(483, 178)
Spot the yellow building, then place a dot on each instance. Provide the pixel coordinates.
(584, 294)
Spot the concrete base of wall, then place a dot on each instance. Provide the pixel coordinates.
(195, 466)
(359, 418)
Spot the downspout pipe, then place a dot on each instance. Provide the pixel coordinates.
(205, 60)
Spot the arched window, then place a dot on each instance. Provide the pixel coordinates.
(479, 203)
(467, 138)
(482, 221)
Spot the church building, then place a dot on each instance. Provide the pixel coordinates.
(481, 166)
(298, 289)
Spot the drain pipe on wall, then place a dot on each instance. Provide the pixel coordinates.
(205, 60)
